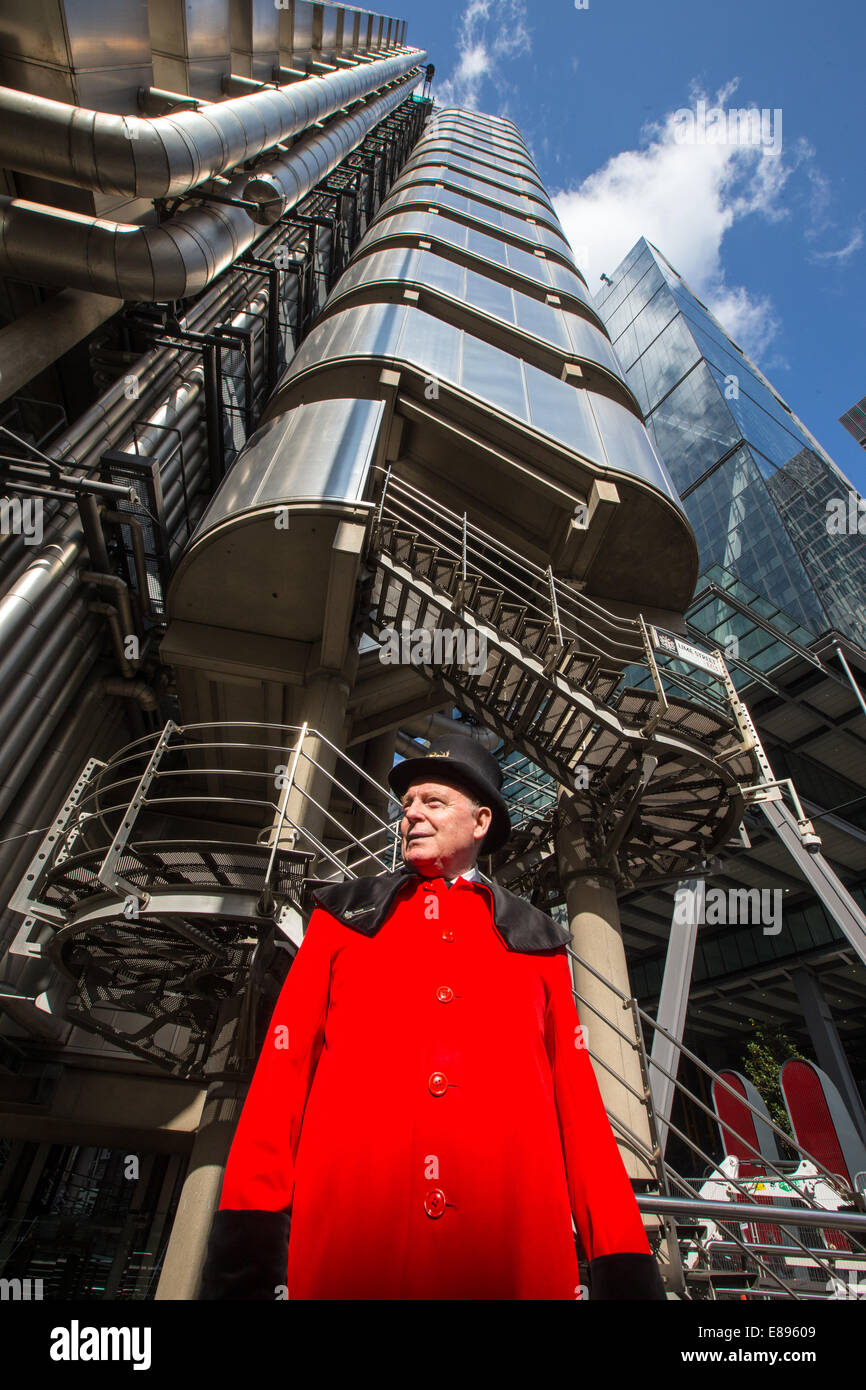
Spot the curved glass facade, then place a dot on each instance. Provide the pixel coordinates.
(317, 452)
(599, 430)
(501, 222)
(570, 333)
(473, 175)
(484, 158)
(431, 226)
(457, 181)
(461, 342)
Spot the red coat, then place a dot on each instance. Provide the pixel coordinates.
(425, 1111)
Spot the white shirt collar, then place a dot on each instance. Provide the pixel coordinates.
(471, 875)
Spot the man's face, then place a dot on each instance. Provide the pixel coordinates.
(441, 830)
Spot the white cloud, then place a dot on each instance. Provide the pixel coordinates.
(490, 31)
(854, 243)
(684, 198)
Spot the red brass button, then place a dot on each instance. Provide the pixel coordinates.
(438, 1083)
(448, 934)
(434, 1202)
(444, 994)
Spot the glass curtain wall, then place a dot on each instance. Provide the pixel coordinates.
(764, 499)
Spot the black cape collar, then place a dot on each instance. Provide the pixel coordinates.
(364, 903)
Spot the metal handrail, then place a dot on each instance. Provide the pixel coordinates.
(686, 1052)
(754, 1213)
(431, 514)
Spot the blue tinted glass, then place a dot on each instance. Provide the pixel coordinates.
(562, 412)
(668, 359)
(487, 246)
(692, 428)
(627, 446)
(737, 526)
(490, 296)
(757, 426)
(494, 375)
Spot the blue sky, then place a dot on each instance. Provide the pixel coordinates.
(773, 240)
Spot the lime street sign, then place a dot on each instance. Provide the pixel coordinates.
(673, 645)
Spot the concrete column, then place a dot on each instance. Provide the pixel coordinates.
(377, 760)
(827, 1043)
(323, 708)
(321, 704)
(596, 935)
(199, 1198)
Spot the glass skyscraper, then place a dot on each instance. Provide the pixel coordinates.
(763, 497)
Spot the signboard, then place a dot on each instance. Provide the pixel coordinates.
(672, 645)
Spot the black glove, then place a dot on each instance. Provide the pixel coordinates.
(247, 1255)
(625, 1276)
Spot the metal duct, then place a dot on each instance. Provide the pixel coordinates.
(181, 256)
(440, 723)
(168, 155)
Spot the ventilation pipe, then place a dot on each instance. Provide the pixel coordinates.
(181, 256)
(166, 156)
(430, 726)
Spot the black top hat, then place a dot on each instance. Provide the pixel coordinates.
(458, 758)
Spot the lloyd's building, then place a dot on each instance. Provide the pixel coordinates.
(315, 446)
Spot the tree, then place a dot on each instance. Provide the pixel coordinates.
(766, 1051)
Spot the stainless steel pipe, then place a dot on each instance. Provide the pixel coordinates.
(166, 156)
(180, 257)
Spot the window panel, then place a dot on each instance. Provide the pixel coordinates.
(494, 375)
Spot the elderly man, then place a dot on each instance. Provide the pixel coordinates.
(424, 1120)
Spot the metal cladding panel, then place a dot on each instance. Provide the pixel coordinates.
(205, 76)
(34, 30)
(77, 33)
(241, 25)
(105, 34)
(112, 89)
(329, 32)
(302, 32)
(208, 28)
(38, 79)
(350, 31)
(167, 25)
(265, 25)
(317, 452)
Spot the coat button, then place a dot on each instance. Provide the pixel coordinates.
(434, 1202)
(438, 1083)
(444, 994)
(447, 934)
